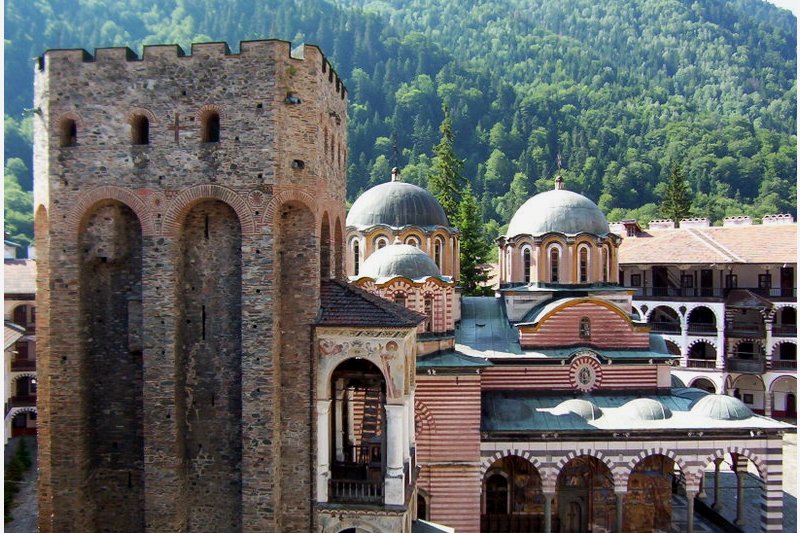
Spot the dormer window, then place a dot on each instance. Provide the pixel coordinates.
(140, 130)
(585, 329)
(210, 128)
(69, 132)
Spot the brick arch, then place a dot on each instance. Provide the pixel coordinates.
(181, 204)
(590, 452)
(719, 318)
(69, 115)
(646, 317)
(776, 344)
(357, 523)
(644, 454)
(14, 411)
(23, 375)
(720, 454)
(782, 377)
(139, 111)
(753, 340)
(422, 412)
(292, 195)
(209, 108)
(698, 341)
(110, 192)
(488, 461)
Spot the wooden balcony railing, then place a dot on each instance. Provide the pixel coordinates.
(665, 327)
(783, 364)
(701, 363)
(355, 491)
(702, 329)
(784, 331)
(746, 366)
(23, 401)
(23, 365)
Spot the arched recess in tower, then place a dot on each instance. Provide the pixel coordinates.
(110, 247)
(209, 373)
(296, 303)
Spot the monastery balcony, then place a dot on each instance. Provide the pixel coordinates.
(23, 365)
(707, 330)
(735, 329)
(785, 331)
(783, 364)
(708, 294)
(709, 364)
(745, 366)
(355, 491)
(671, 328)
(22, 401)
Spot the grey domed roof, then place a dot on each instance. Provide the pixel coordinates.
(396, 204)
(399, 260)
(558, 211)
(721, 407)
(646, 409)
(583, 408)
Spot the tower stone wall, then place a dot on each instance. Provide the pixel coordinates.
(179, 205)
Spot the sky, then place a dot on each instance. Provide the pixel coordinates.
(791, 5)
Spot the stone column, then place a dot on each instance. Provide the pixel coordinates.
(720, 346)
(323, 449)
(702, 493)
(741, 477)
(690, 494)
(769, 399)
(772, 493)
(620, 508)
(548, 511)
(339, 401)
(406, 432)
(394, 484)
(717, 505)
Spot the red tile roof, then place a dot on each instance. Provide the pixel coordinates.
(343, 304)
(20, 276)
(755, 244)
(12, 333)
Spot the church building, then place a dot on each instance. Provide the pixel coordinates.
(220, 348)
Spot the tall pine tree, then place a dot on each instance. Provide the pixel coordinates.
(445, 180)
(474, 245)
(677, 202)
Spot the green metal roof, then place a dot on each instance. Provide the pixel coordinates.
(451, 360)
(529, 411)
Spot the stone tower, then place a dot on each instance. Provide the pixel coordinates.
(186, 209)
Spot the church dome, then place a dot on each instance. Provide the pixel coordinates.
(396, 204)
(399, 260)
(646, 409)
(559, 211)
(583, 408)
(721, 407)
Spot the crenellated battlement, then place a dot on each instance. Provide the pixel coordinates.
(159, 53)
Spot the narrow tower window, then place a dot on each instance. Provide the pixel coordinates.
(356, 257)
(69, 133)
(211, 128)
(140, 130)
(554, 261)
(526, 264)
(584, 266)
(437, 254)
(429, 313)
(585, 330)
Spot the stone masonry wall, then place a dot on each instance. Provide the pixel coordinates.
(272, 152)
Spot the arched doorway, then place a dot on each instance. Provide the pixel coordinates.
(512, 497)
(702, 355)
(784, 397)
(358, 428)
(585, 498)
(664, 319)
(648, 502)
(704, 384)
(750, 389)
(702, 321)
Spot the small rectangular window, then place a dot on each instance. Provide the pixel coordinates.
(765, 281)
(636, 280)
(731, 281)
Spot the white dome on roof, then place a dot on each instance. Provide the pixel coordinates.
(396, 204)
(721, 407)
(399, 260)
(646, 409)
(558, 211)
(583, 408)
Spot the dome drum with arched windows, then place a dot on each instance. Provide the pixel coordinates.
(404, 211)
(558, 238)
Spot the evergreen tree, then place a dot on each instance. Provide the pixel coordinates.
(676, 201)
(445, 180)
(475, 247)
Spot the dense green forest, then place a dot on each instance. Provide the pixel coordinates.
(617, 91)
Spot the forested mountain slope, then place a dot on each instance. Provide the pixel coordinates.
(620, 89)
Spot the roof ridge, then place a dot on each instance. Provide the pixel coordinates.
(714, 245)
